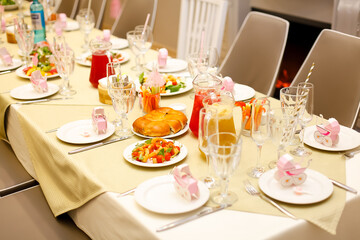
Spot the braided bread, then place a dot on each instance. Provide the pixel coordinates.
(160, 122)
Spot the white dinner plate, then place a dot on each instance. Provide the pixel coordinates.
(172, 65)
(20, 73)
(119, 43)
(27, 92)
(188, 87)
(71, 26)
(73, 132)
(159, 195)
(183, 153)
(348, 139)
(172, 135)
(82, 58)
(16, 63)
(316, 188)
(243, 92)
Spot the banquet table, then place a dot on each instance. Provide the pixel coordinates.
(102, 214)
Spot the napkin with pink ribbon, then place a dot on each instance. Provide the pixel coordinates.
(185, 184)
(5, 57)
(99, 120)
(60, 24)
(39, 82)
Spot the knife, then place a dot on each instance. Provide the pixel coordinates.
(193, 217)
(97, 145)
(4, 72)
(343, 186)
(43, 100)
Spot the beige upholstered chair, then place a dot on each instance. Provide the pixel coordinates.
(68, 7)
(134, 13)
(336, 76)
(98, 6)
(196, 16)
(26, 215)
(13, 176)
(255, 56)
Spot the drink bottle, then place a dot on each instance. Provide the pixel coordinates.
(38, 21)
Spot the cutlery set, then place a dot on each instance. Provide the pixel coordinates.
(43, 100)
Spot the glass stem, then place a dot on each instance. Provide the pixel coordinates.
(259, 147)
(302, 135)
(66, 84)
(224, 183)
(208, 164)
(124, 120)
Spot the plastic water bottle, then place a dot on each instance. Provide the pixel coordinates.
(38, 21)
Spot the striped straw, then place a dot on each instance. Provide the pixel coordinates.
(309, 74)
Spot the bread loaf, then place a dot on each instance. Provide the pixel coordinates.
(160, 122)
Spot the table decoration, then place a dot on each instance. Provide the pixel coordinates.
(162, 57)
(5, 57)
(99, 120)
(150, 92)
(185, 183)
(328, 135)
(39, 82)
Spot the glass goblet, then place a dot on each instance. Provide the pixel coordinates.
(208, 125)
(282, 127)
(143, 41)
(123, 95)
(260, 131)
(206, 61)
(86, 19)
(65, 63)
(25, 39)
(305, 105)
(131, 37)
(20, 6)
(224, 152)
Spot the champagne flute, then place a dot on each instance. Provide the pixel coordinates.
(147, 36)
(131, 37)
(224, 152)
(208, 125)
(305, 104)
(86, 19)
(260, 131)
(282, 126)
(123, 95)
(25, 38)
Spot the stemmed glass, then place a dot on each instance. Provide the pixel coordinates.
(25, 38)
(20, 4)
(206, 61)
(130, 36)
(64, 58)
(49, 7)
(148, 37)
(305, 104)
(260, 131)
(224, 152)
(86, 19)
(208, 125)
(123, 94)
(282, 126)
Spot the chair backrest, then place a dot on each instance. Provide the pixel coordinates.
(255, 56)
(68, 7)
(132, 15)
(197, 16)
(98, 6)
(336, 76)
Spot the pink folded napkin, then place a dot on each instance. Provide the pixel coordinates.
(35, 60)
(5, 57)
(185, 184)
(99, 120)
(39, 82)
(107, 34)
(60, 24)
(228, 84)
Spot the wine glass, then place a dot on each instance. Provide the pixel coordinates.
(208, 125)
(260, 131)
(49, 7)
(64, 58)
(305, 105)
(282, 126)
(25, 39)
(224, 152)
(130, 36)
(20, 4)
(123, 94)
(147, 37)
(201, 62)
(86, 19)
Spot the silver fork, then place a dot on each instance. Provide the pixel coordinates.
(252, 191)
(352, 153)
